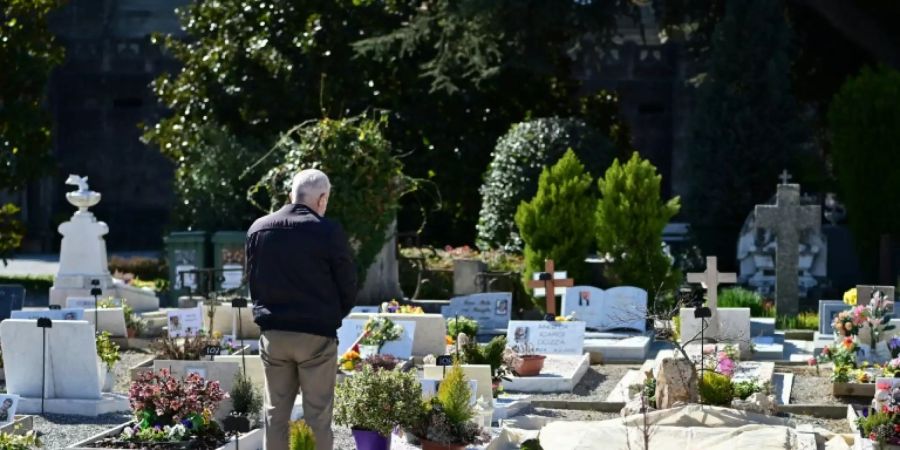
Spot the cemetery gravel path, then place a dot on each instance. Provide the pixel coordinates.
(58, 432)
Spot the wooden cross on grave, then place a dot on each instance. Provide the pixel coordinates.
(545, 280)
(710, 280)
(786, 218)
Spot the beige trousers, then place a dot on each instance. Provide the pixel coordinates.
(301, 361)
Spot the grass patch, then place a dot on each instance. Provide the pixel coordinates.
(802, 321)
(743, 298)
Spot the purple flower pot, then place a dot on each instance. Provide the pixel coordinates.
(371, 440)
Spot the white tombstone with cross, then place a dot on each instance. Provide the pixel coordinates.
(727, 325)
(710, 280)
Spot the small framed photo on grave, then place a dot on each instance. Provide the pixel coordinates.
(8, 405)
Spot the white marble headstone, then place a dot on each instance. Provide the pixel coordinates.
(828, 310)
(547, 338)
(491, 310)
(351, 329)
(111, 320)
(623, 307)
(73, 368)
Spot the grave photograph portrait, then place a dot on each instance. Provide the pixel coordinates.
(8, 405)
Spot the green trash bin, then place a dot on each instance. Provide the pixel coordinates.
(186, 250)
(228, 256)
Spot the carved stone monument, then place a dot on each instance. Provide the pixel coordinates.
(787, 219)
(82, 256)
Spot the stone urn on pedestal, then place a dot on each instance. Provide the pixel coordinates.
(82, 256)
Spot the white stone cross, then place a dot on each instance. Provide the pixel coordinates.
(786, 218)
(710, 280)
(785, 176)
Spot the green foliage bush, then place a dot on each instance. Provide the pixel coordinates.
(246, 397)
(744, 389)
(863, 120)
(32, 283)
(11, 230)
(743, 298)
(489, 354)
(557, 223)
(461, 325)
(716, 389)
(301, 436)
(630, 218)
(141, 267)
(366, 177)
(518, 161)
(454, 395)
(378, 400)
(107, 350)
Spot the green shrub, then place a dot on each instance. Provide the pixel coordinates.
(518, 158)
(454, 395)
(32, 283)
(366, 177)
(462, 325)
(489, 354)
(630, 218)
(246, 398)
(716, 389)
(744, 389)
(301, 436)
(377, 400)
(557, 223)
(743, 298)
(107, 350)
(803, 321)
(11, 230)
(863, 119)
(140, 267)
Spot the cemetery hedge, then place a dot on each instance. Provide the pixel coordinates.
(557, 223)
(863, 120)
(32, 283)
(518, 159)
(366, 177)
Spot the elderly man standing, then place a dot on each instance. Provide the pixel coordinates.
(303, 283)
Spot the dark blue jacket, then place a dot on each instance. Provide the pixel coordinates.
(301, 272)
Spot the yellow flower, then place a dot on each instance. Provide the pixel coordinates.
(562, 319)
(850, 297)
(448, 340)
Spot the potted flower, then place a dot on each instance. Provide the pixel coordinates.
(134, 326)
(108, 352)
(445, 421)
(246, 405)
(523, 361)
(377, 331)
(373, 402)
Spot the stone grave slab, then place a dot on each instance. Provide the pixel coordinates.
(491, 310)
(828, 310)
(612, 347)
(226, 321)
(762, 326)
(431, 331)
(12, 297)
(73, 370)
(478, 372)
(767, 348)
(351, 329)
(618, 308)
(561, 373)
(547, 338)
(111, 320)
(508, 405)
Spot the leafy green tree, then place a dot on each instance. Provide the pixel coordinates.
(630, 218)
(558, 222)
(254, 68)
(865, 140)
(367, 179)
(746, 127)
(11, 230)
(519, 157)
(28, 52)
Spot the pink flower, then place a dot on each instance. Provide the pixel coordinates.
(812, 361)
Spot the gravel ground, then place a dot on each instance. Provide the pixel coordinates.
(596, 385)
(833, 425)
(58, 432)
(130, 358)
(811, 387)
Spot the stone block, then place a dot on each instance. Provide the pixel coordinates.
(561, 373)
(111, 320)
(632, 348)
(480, 373)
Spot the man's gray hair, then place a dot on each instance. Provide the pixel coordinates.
(308, 185)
